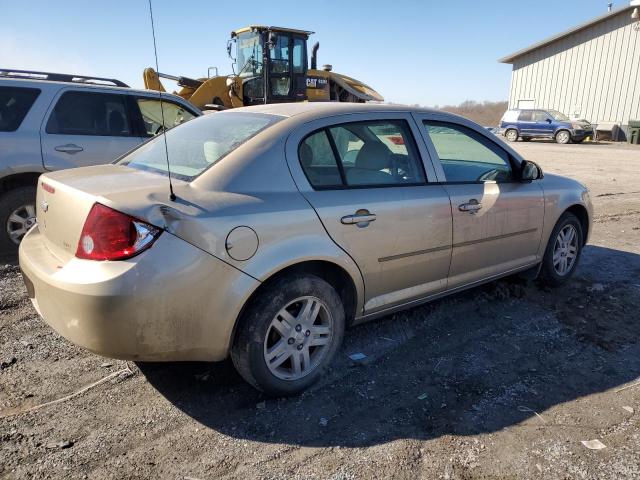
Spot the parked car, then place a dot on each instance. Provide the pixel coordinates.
(290, 222)
(527, 124)
(54, 121)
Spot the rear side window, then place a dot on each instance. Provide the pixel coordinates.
(15, 103)
(86, 113)
(510, 116)
(361, 154)
(318, 161)
(526, 116)
(152, 115)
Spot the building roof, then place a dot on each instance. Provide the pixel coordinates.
(566, 33)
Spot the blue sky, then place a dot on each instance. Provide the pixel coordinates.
(425, 52)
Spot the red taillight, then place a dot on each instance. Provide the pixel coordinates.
(47, 188)
(111, 235)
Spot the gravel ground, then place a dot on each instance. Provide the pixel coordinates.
(503, 381)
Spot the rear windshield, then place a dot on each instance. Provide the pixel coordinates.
(197, 145)
(15, 103)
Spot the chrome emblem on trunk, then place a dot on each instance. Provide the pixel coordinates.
(44, 205)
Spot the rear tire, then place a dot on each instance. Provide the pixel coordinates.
(17, 215)
(511, 135)
(563, 137)
(278, 348)
(563, 251)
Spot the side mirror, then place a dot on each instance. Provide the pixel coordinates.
(230, 48)
(272, 40)
(530, 171)
(548, 120)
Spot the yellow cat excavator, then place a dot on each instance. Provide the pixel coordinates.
(271, 64)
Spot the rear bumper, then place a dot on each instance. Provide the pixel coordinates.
(170, 303)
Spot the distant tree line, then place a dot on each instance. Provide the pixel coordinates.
(487, 114)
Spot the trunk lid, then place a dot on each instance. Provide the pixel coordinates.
(65, 198)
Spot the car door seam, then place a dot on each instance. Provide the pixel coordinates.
(286, 161)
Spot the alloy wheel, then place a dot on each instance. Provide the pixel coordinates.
(565, 250)
(298, 338)
(563, 137)
(512, 135)
(20, 221)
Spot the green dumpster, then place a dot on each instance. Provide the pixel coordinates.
(634, 132)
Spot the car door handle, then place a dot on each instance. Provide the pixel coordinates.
(472, 206)
(69, 148)
(358, 218)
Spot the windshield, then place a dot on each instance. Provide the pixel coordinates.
(558, 116)
(249, 54)
(197, 145)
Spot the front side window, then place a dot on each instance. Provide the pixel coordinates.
(15, 103)
(152, 115)
(87, 113)
(540, 116)
(362, 154)
(466, 156)
(198, 145)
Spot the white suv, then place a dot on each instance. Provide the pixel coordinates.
(52, 121)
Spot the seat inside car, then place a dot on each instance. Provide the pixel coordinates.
(372, 158)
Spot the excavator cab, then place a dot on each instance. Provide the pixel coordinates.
(271, 62)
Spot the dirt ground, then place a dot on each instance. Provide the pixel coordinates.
(503, 381)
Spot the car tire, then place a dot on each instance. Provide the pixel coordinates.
(526, 139)
(560, 247)
(275, 342)
(563, 137)
(18, 202)
(511, 135)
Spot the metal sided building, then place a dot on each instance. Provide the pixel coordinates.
(591, 71)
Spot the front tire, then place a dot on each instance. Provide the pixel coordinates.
(511, 135)
(563, 137)
(563, 251)
(17, 216)
(288, 335)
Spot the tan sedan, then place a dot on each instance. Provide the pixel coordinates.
(289, 223)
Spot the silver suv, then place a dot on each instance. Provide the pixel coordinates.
(54, 121)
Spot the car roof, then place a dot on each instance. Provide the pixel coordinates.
(329, 108)
(43, 84)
